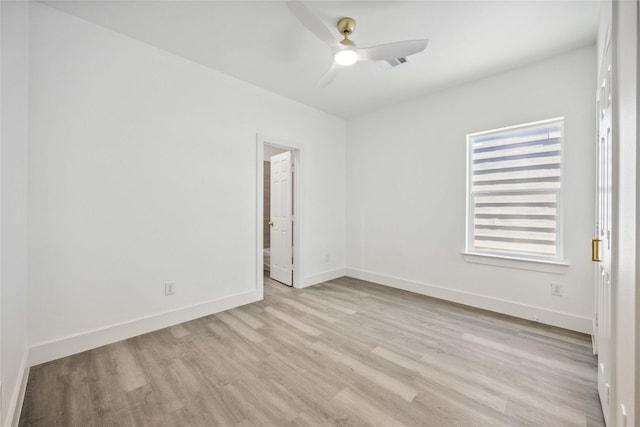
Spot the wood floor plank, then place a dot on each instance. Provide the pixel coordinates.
(329, 301)
(448, 408)
(240, 327)
(369, 412)
(246, 318)
(304, 327)
(343, 353)
(403, 390)
(130, 373)
(441, 379)
(179, 331)
(309, 310)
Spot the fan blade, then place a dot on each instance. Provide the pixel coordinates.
(312, 22)
(328, 76)
(395, 50)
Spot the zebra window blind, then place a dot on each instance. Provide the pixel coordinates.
(514, 190)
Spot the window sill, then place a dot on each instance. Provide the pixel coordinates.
(554, 267)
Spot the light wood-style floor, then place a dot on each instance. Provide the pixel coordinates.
(345, 352)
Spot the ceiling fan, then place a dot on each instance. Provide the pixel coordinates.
(346, 52)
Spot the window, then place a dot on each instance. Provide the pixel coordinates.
(514, 191)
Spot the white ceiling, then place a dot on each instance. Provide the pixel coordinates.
(263, 43)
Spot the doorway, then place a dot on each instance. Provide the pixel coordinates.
(278, 208)
(278, 213)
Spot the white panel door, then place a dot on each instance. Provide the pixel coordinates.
(601, 245)
(281, 219)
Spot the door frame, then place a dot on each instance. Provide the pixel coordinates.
(261, 140)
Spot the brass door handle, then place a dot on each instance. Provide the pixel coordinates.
(271, 223)
(595, 250)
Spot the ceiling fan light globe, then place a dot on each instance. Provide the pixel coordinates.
(346, 57)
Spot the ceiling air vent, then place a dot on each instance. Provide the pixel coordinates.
(391, 63)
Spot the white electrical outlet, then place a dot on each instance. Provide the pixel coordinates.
(168, 288)
(556, 289)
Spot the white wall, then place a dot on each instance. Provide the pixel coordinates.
(143, 170)
(13, 190)
(406, 190)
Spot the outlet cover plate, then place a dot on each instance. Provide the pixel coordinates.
(556, 289)
(169, 288)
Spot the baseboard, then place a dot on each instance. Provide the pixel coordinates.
(549, 317)
(17, 397)
(314, 279)
(55, 349)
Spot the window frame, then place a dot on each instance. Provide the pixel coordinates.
(471, 253)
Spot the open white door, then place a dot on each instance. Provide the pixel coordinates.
(601, 245)
(281, 219)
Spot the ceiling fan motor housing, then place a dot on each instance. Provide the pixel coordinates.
(346, 26)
